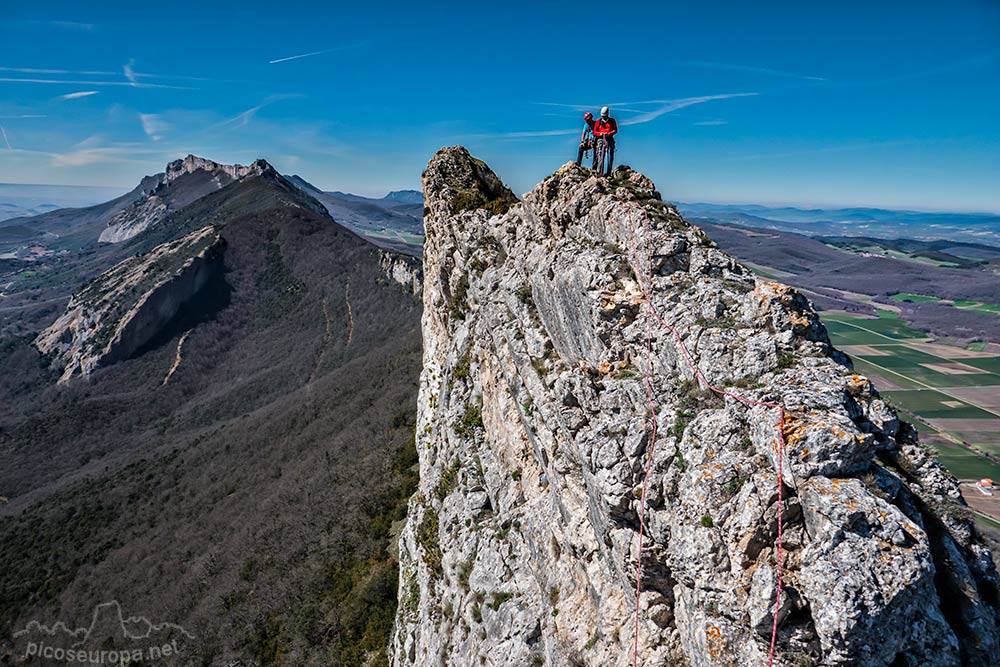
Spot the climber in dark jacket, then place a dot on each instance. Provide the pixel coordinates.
(606, 127)
(586, 138)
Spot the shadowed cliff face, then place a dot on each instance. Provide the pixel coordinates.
(534, 432)
(121, 310)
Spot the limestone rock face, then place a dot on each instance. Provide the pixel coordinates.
(121, 310)
(183, 182)
(534, 431)
(402, 269)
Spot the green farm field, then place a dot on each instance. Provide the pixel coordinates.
(952, 394)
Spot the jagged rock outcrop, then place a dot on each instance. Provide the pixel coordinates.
(402, 269)
(114, 315)
(183, 182)
(534, 429)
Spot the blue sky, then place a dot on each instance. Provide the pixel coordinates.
(892, 104)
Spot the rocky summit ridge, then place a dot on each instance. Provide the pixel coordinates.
(534, 432)
(181, 183)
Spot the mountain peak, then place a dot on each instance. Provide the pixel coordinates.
(192, 163)
(184, 181)
(587, 340)
(455, 181)
(406, 196)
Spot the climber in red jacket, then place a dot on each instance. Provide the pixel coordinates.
(605, 128)
(586, 138)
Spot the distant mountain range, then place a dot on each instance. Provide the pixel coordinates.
(394, 222)
(874, 222)
(17, 200)
(69, 219)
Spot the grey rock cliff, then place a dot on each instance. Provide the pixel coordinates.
(402, 269)
(534, 428)
(121, 310)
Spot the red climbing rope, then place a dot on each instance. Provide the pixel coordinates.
(647, 294)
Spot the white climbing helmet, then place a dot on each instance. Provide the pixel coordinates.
(605, 112)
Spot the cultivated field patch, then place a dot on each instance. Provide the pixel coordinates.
(915, 298)
(952, 368)
(951, 352)
(864, 350)
(951, 393)
(986, 397)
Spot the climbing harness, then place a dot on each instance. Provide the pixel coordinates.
(652, 313)
(601, 146)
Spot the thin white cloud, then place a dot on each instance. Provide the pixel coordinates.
(33, 70)
(244, 117)
(66, 25)
(578, 107)
(709, 123)
(129, 72)
(618, 108)
(5, 140)
(840, 148)
(751, 69)
(85, 82)
(83, 157)
(25, 115)
(147, 75)
(665, 107)
(91, 151)
(674, 105)
(949, 68)
(77, 95)
(312, 53)
(301, 55)
(153, 125)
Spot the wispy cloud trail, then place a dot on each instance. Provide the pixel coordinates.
(949, 68)
(751, 69)
(89, 82)
(842, 148)
(33, 70)
(129, 72)
(68, 25)
(313, 53)
(5, 140)
(244, 117)
(301, 55)
(665, 107)
(76, 96)
(153, 125)
(674, 105)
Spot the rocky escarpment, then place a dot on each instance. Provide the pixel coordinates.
(402, 269)
(114, 315)
(534, 431)
(183, 182)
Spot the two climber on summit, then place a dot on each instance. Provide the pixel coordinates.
(599, 136)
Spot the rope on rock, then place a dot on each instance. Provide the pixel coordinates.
(653, 314)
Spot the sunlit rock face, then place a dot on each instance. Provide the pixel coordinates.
(534, 431)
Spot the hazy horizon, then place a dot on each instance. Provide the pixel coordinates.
(118, 190)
